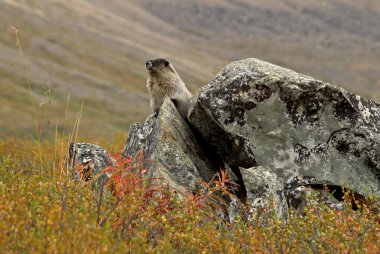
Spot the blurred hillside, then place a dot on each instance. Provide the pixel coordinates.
(94, 51)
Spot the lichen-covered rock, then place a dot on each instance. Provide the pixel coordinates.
(303, 190)
(265, 193)
(170, 149)
(87, 161)
(235, 210)
(256, 113)
(174, 153)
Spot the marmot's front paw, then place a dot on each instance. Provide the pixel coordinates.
(155, 113)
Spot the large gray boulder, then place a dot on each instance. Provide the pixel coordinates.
(256, 113)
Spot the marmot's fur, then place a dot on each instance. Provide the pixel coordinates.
(163, 81)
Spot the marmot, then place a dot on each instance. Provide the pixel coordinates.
(163, 81)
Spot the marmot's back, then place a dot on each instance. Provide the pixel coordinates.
(164, 82)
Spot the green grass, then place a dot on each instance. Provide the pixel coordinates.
(42, 211)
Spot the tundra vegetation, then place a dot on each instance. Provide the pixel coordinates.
(43, 211)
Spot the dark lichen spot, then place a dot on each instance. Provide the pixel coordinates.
(320, 148)
(298, 181)
(348, 142)
(261, 92)
(245, 87)
(306, 107)
(342, 147)
(303, 152)
(344, 110)
(249, 105)
(230, 119)
(241, 94)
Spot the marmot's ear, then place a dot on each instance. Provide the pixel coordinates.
(166, 63)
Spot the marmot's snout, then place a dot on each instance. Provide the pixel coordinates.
(149, 65)
(155, 64)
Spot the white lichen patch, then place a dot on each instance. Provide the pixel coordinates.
(274, 132)
(364, 111)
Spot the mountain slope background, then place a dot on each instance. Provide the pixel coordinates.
(93, 51)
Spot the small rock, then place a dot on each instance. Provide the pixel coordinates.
(265, 193)
(87, 161)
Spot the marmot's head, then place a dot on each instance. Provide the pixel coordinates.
(159, 66)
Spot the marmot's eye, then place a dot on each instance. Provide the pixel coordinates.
(166, 63)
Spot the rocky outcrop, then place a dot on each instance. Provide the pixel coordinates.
(293, 124)
(280, 136)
